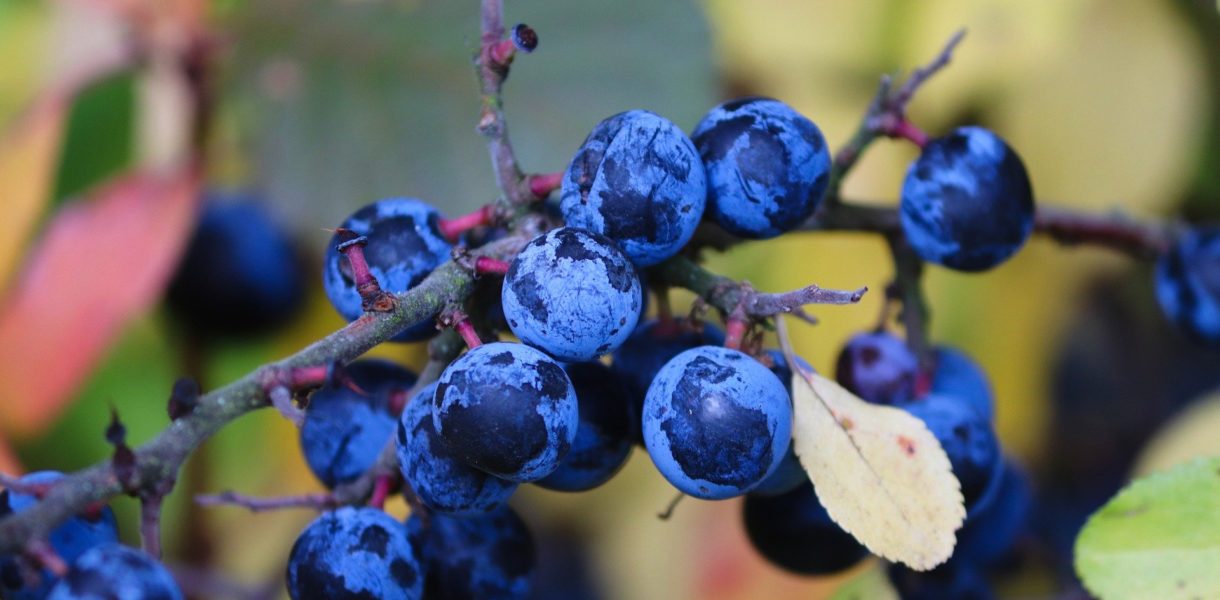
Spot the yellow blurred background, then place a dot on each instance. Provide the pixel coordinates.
(324, 106)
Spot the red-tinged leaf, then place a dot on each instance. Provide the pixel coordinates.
(100, 263)
(29, 153)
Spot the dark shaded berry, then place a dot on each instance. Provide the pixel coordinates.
(969, 441)
(603, 438)
(716, 422)
(572, 294)
(794, 532)
(404, 245)
(966, 201)
(1188, 284)
(878, 367)
(767, 166)
(440, 480)
(789, 474)
(507, 409)
(488, 556)
(951, 581)
(637, 180)
(957, 375)
(345, 430)
(240, 274)
(990, 534)
(354, 554)
(116, 572)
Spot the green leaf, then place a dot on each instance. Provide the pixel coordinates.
(99, 140)
(1158, 538)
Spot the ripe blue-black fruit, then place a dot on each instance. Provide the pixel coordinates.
(507, 409)
(1188, 284)
(345, 430)
(951, 581)
(716, 422)
(115, 572)
(969, 441)
(354, 554)
(649, 347)
(637, 180)
(793, 531)
(603, 438)
(957, 375)
(488, 556)
(966, 201)
(878, 367)
(70, 539)
(767, 166)
(240, 274)
(404, 245)
(440, 480)
(992, 532)
(789, 474)
(573, 294)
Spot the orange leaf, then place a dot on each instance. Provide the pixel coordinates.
(100, 263)
(29, 153)
(8, 461)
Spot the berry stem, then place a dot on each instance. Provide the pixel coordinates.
(453, 228)
(382, 486)
(486, 265)
(735, 329)
(466, 329)
(398, 401)
(253, 504)
(372, 297)
(502, 52)
(904, 129)
(542, 184)
(150, 524)
(45, 555)
(281, 399)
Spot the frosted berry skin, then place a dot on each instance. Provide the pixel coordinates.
(488, 556)
(604, 436)
(878, 367)
(354, 554)
(345, 430)
(767, 166)
(716, 422)
(506, 409)
(969, 441)
(441, 481)
(966, 201)
(789, 474)
(993, 531)
(637, 180)
(1188, 284)
(71, 539)
(116, 572)
(958, 375)
(794, 532)
(572, 294)
(648, 348)
(404, 245)
(240, 274)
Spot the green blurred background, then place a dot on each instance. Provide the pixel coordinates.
(324, 106)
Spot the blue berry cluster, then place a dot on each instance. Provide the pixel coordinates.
(1188, 284)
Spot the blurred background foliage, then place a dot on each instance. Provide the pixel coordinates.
(324, 105)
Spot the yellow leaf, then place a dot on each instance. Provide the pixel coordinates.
(1189, 435)
(29, 153)
(880, 473)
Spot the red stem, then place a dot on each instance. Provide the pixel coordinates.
(734, 331)
(398, 401)
(307, 377)
(360, 267)
(542, 184)
(455, 227)
(381, 490)
(486, 265)
(466, 329)
(908, 131)
(502, 52)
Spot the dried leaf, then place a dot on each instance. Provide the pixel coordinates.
(880, 473)
(100, 263)
(29, 153)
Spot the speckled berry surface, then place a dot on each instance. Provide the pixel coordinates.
(1188, 284)
(958, 375)
(604, 436)
(638, 180)
(572, 294)
(70, 539)
(767, 166)
(969, 441)
(116, 572)
(439, 479)
(345, 430)
(794, 532)
(878, 367)
(966, 202)
(716, 422)
(507, 409)
(354, 554)
(648, 348)
(489, 556)
(404, 245)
